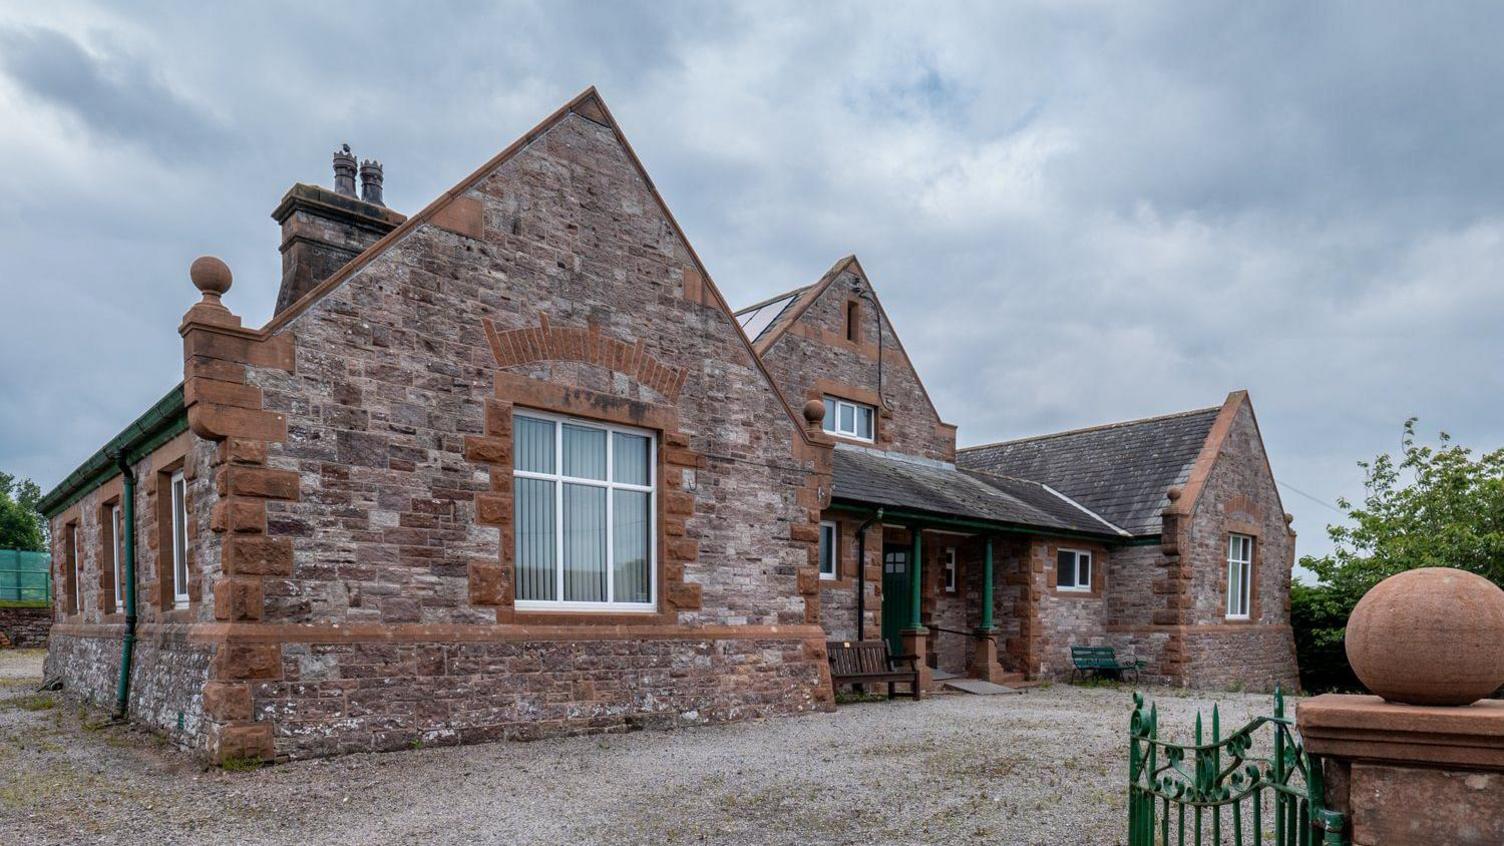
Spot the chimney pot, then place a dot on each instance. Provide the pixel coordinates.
(344, 171)
(370, 182)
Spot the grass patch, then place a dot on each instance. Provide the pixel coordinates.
(847, 697)
(25, 603)
(241, 764)
(32, 702)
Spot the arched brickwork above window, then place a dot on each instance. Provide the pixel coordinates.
(513, 347)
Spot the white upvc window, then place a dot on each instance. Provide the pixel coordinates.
(1073, 570)
(828, 552)
(849, 419)
(950, 569)
(584, 514)
(117, 533)
(179, 540)
(77, 588)
(1239, 576)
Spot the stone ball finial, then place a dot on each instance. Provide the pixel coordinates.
(1429, 637)
(1173, 493)
(210, 275)
(814, 411)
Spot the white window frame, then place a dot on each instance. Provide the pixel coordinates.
(559, 480)
(835, 551)
(1240, 574)
(832, 425)
(78, 582)
(950, 569)
(1080, 585)
(117, 539)
(179, 493)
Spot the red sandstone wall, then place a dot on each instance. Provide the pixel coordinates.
(813, 358)
(393, 375)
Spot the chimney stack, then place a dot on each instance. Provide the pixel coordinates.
(344, 171)
(322, 230)
(370, 182)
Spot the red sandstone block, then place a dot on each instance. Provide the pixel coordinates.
(681, 457)
(493, 509)
(242, 451)
(809, 581)
(198, 367)
(246, 661)
(488, 450)
(683, 549)
(234, 394)
(216, 422)
(257, 555)
(244, 741)
(262, 482)
(680, 504)
(804, 532)
(486, 580)
(238, 599)
(498, 418)
(684, 596)
(239, 515)
(227, 702)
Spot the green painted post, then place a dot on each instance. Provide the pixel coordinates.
(916, 576)
(987, 625)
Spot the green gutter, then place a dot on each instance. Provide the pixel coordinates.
(905, 516)
(161, 423)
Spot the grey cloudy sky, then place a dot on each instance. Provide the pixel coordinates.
(1074, 212)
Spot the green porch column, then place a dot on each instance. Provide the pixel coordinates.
(987, 623)
(916, 579)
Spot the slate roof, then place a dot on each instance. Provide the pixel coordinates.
(899, 482)
(1120, 471)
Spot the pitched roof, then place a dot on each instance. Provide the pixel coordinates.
(1120, 470)
(890, 481)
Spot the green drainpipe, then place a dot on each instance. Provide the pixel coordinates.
(128, 526)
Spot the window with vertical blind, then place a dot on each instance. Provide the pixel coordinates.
(117, 551)
(584, 514)
(828, 552)
(179, 489)
(1239, 576)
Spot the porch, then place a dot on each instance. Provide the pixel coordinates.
(953, 564)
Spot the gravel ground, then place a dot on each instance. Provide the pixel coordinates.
(1047, 767)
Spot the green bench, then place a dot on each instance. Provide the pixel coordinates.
(1100, 660)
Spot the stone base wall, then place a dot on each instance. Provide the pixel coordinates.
(1249, 657)
(167, 678)
(25, 628)
(335, 698)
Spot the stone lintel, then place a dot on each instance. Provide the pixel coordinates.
(1368, 729)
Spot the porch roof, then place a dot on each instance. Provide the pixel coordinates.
(902, 482)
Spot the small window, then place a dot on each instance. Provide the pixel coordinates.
(75, 559)
(849, 419)
(1239, 576)
(950, 569)
(117, 550)
(179, 540)
(584, 514)
(853, 321)
(1073, 570)
(828, 553)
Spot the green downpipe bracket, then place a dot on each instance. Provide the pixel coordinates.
(128, 528)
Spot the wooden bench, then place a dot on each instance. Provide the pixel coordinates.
(868, 661)
(1089, 660)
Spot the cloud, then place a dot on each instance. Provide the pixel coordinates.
(110, 93)
(1074, 213)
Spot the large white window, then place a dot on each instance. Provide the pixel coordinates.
(1239, 576)
(950, 569)
(117, 532)
(584, 514)
(179, 540)
(1073, 570)
(828, 551)
(849, 419)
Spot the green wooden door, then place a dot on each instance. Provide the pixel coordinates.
(896, 595)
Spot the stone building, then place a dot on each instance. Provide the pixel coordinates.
(1164, 538)
(509, 468)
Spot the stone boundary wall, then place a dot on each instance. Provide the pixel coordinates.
(24, 628)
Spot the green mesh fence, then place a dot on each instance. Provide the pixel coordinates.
(25, 576)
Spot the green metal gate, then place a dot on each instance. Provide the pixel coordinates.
(1226, 791)
(25, 577)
